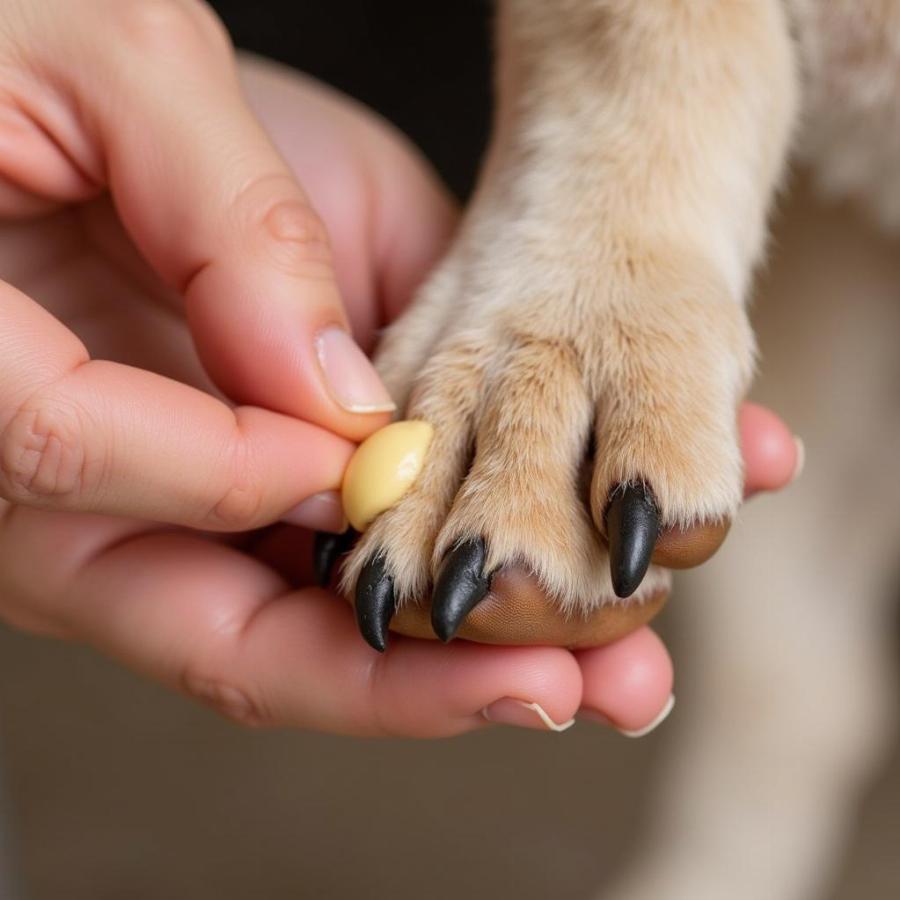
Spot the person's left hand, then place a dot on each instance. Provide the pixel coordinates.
(219, 617)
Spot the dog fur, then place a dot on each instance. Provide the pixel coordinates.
(597, 295)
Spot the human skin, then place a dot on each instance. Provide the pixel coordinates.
(187, 391)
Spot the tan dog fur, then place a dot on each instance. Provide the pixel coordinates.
(599, 281)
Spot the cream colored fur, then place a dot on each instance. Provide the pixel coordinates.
(598, 284)
(598, 287)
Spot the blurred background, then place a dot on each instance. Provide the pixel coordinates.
(115, 788)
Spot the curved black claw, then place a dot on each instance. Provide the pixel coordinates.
(327, 548)
(461, 585)
(632, 526)
(375, 605)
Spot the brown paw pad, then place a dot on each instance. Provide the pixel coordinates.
(685, 548)
(635, 539)
(509, 606)
(504, 607)
(517, 611)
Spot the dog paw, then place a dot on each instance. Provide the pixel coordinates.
(584, 415)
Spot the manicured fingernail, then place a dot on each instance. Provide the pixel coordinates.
(349, 376)
(523, 715)
(664, 714)
(593, 716)
(321, 512)
(800, 464)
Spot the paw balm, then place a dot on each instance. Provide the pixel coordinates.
(383, 469)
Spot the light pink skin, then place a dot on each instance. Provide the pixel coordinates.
(192, 603)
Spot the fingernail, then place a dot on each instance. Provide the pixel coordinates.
(800, 464)
(592, 716)
(321, 512)
(523, 715)
(349, 376)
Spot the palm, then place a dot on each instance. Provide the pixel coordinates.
(79, 265)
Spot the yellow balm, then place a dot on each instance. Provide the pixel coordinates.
(383, 469)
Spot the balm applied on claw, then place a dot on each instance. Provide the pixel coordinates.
(383, 469)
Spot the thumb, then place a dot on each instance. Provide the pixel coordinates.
(217, 212)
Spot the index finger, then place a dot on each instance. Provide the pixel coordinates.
(90, 435)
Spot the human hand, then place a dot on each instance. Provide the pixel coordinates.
(140, 99)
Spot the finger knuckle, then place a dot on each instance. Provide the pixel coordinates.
(26, 617)
(43, 455)
(166, 27)
(225, 698)
(211, 25)
(288, 233)
(238, 506)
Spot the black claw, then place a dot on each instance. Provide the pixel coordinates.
(461, 586)
(632, 526)
(375, 604)
(327, 548)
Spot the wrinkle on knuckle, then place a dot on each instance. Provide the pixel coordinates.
(211, 25)
(285, 230)
(238, 508)
(225, 698)
(43, 455)
(23, 617)
(239, 505)
(164, 28)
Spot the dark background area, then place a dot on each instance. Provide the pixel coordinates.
(425, 66)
